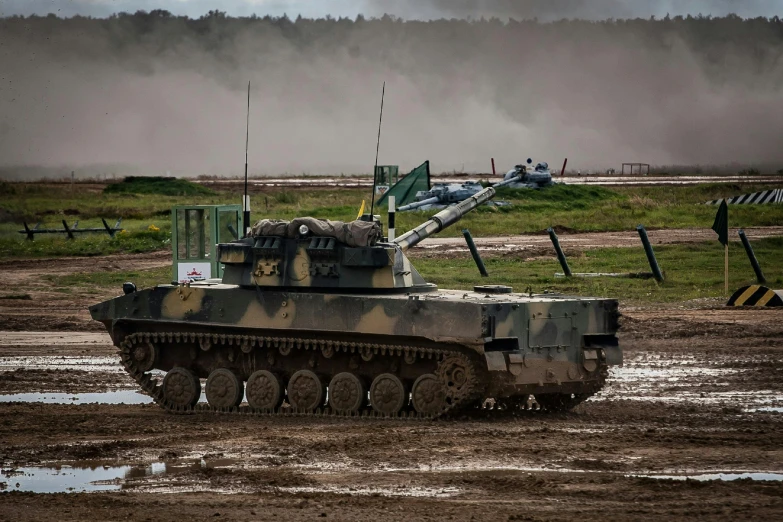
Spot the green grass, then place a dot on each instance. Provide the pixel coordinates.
(157, 185)
(141, 278)
(567, 207)
(691, 272)
(136, 238)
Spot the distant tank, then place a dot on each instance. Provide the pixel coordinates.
(441, 195)
(526, 176)
(321, 317)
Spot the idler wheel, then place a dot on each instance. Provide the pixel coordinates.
(145, 355)
(346, 393)
(387, 394)
(264, 390)
(428, 395)
(305, 391)
(224, 389)
(181, 387)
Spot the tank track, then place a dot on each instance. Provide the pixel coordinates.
(458, 398)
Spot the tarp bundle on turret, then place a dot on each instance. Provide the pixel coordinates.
(353, 234)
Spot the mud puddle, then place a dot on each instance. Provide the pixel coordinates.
(52, 339)
(110, 397)
(395, 491)
(109, 364)
(686, 379)
(88, 477)
(726, 477)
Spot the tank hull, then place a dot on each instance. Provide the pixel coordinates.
(511, 345)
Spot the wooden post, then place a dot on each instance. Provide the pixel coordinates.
(493, 167)
(726, 272)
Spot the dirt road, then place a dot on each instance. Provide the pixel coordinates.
(530, 246)
(700, 394)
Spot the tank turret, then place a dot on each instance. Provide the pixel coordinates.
(314, 253)
(443, 194)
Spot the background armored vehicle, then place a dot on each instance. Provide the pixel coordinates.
(319, 316)
(441, 195)
(522, 176)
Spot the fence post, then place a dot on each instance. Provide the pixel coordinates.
(68, 230)
(560, 255)
(656, 270)
(474, 253)
(753, 261)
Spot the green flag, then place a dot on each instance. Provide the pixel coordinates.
(405, 190)
(721, 225)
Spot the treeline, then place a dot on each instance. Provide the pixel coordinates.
(158, 32)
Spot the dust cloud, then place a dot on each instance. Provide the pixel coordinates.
(152, 93)
(549, 10)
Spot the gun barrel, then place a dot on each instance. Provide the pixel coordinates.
(417, 204)
(507, 182)
(443, 219)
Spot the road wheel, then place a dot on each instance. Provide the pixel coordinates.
(388, 394)
(346, 393)
(428, 395)
(181, 387)
(224, 389)
(264, 390)
(305, 391)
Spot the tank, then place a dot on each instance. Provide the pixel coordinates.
(321, 317)
(441, 195)
(522, 176)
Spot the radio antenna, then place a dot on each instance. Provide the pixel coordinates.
(377, 148)
(245, 200)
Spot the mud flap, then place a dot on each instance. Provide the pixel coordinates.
(496, 361)
(613, 354)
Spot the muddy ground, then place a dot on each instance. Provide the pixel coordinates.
(701, 393)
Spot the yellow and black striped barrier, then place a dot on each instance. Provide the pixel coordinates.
(756, 295)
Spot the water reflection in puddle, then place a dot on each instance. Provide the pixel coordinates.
(684, 379)
(83, 478)
(717, 476)
(68, 479)
(110, 397)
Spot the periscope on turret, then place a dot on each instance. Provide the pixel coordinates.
(322, 316)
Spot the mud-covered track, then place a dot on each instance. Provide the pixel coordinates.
(284, 345)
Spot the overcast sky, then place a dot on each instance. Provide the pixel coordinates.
(417, 9)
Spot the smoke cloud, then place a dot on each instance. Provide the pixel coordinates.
(156, 93)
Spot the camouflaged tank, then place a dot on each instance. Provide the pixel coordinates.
(323, 317)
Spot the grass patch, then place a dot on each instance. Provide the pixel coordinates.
(577, 208)
(691, 272)
(157, 185)
(136, 238)
(141, 278)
